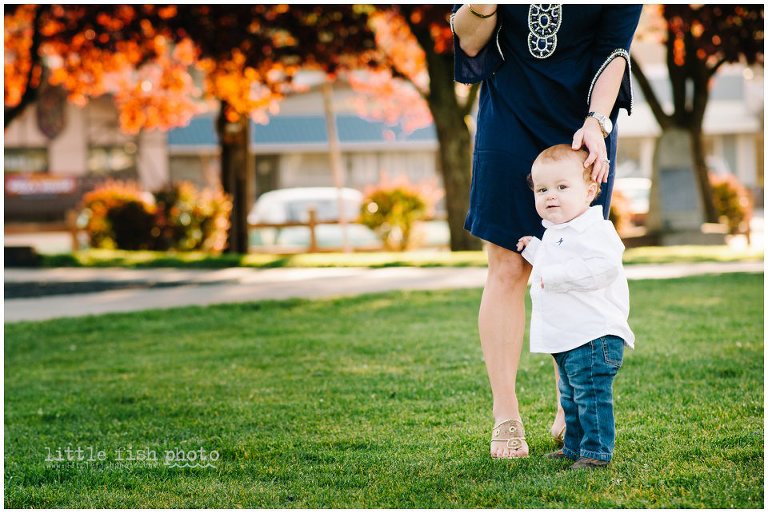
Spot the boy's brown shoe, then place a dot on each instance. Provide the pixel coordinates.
(589, 463)
(557, 455)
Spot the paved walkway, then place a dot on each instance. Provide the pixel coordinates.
(168, 288)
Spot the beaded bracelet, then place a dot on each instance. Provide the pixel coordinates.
(481, 15)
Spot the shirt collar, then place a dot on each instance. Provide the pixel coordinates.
(579, 223)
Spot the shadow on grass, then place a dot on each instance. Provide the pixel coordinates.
(198, 260)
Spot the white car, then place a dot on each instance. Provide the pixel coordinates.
(638, 192)
(292, 206)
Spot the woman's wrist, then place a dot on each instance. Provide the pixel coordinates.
(592, 123)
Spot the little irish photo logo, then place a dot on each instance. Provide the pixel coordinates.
(126, 456)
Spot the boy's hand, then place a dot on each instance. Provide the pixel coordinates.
(523, 242)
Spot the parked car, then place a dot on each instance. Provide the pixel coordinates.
(292, 206)
(638, 192)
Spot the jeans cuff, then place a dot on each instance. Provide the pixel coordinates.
(602, 456)
(571, 454)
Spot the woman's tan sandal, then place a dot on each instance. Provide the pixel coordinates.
(560, 437)
(510, 431)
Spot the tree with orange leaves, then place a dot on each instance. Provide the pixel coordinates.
(248, 55)
(699, 40)
(91, 51)
(251, 53)
(142, 55)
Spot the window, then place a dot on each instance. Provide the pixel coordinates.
(118, 161)
(629, 159)
(26, 160)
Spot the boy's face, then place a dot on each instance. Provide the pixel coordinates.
(560, 191)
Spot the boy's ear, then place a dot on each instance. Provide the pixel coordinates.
(592, 191)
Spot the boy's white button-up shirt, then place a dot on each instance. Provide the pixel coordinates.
(585, 294)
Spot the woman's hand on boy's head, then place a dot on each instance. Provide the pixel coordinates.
(590, 137)
(523, 242)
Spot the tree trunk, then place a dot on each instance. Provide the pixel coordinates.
(455, 163)
(454, 146)
(702, 174)
(233, 139)
(685, 117)
(452, 134)
(334, 154)
(701, 77)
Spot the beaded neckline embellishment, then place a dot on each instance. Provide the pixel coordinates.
(543, 23)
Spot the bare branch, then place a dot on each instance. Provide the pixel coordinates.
(397, 74)
(713, 69)
(664, 119)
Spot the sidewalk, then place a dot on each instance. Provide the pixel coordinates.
(135, 290)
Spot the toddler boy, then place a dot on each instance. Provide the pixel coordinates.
(580, 301)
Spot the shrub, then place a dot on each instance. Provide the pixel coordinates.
(132, 226)
(391, 211)
(106, 213)
(188, 219)
(118, 215)
(214, 209)
(732, 202)
(619, 213)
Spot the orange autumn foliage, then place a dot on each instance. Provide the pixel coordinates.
(146, 56)
(246, 90)
(150, 78)
(150, 81)
(18, 41)
(388, 98)
(395, 39)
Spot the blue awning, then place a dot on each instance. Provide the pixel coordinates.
(300, 130)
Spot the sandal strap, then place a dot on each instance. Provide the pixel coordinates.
(510, 431)
(561, 436)
(514, 443)
(512, 427)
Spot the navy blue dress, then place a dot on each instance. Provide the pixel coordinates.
(537, 75)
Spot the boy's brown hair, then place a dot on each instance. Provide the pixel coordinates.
(563, 152)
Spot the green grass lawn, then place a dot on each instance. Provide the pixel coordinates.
(425, 258)
(377, 401)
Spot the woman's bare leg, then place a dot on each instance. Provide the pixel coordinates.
(502, 327)
(559, 423)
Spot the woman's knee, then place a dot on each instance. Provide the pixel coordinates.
(506, 266)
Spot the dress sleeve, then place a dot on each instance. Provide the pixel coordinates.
(614, 35)
(470, 70)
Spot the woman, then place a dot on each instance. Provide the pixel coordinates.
(550, 74)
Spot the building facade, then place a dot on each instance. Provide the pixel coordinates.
(292, 149)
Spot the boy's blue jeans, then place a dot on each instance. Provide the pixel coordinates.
(586, 394)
